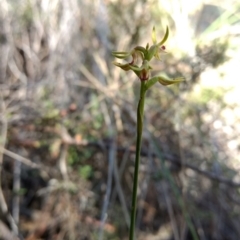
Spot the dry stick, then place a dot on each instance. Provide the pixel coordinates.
(3, 205)
(16, 189)
(173, 159)
(111, 159)
(121, 195)
(167, 157)
(25, 161)
(170, 211)
(63, 162)
(167, 175)
(121, 169)
(21, 159)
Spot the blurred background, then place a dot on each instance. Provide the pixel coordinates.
(68, 120)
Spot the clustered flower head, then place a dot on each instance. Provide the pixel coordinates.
(146, 54)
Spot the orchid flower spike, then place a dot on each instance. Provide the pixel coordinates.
(146, 54)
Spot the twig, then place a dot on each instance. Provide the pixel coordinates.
(167, 157)
(170, 211)
(63, 162)
(168, 176)
(19, 158)
(120, 194)
(3, 136)
(111, 158)
(5, 233)
(16, 189)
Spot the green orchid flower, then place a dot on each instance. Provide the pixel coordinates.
(145, 54)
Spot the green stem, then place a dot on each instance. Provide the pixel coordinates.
(140, 111)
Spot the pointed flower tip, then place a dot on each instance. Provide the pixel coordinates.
(121, 55)
(165, 81)
(154, 39)
(125, 67)
(165, 38)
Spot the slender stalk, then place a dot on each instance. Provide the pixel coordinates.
(140, 111)
(143, 73)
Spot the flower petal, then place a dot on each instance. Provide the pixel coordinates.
(164, 38)
(151, 52)
(140, 49)
(121, 55)
(154, 39)
(125, 67)
(165, 81)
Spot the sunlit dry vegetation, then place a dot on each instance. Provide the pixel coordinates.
(68, 118)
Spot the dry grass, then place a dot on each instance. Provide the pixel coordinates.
(68, 122)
